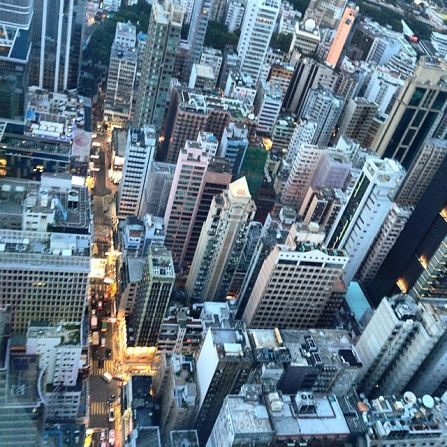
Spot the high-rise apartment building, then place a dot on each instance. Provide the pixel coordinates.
(303, 168)
(267, 106)
(197, 28)
(217, 178)
(365, 211)
(221, 242)
(165, 25)
(326, 13)
(392, 226)
(423, 234)
(303, 133)
(44, 249)
(416, 113)
(257, 29)
(233, 145)
(308, 74)
(421, 172)
(295, 282)
(15, 20)
(224, 364)
(341, 35)
(357, 119)
(324, 108)
(58, 28)
(397, 339)
(138, 156)
(154, 292)
(184, 198)
(121, 76)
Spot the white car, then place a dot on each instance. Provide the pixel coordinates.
(102, 436)
(112, 437)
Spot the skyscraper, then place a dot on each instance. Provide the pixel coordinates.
(165, 25)
(121, 76)
(15, 20)
(416, 113)
(323, 107)
(57, 41)
(357, 227)
(397, 339)
(257, 29)
(184, 198)
(422, 236)
(421, 172)
(295, 282)
(341, 35)
(45, 249)
(197, 28)
(221, 242)
(139, 154)
(154, 292)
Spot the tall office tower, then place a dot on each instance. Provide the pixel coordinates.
(165, 25)
(45, 231)
(341, 35)
(303, 134)
(257, 29)
(139, 154)
(382, 89)
(357, 120)
(59, 350)
(154, 293)
(295, 282)
(303, 168)
(324, 108)
(418, 110)
(217, 178)
(420, 239)
(156, 194)
(221, 242)
(121, 76)
(15, 20)
(332, 172)
(326, 13)
(224, 364)
(308, 74)
(366, 209)
(392, 226)
(432, 282)
(267, 106)
(184, 198)
(421, 172)
(233, 145)
(197, 28)
(58, 27)
(397, 339)
(22, 409)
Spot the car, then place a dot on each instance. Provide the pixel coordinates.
(100, 305)
(102, 436)
(101, 363)
(112, 437)
(111, 414)
(108, 353)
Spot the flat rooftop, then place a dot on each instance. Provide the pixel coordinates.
(184, 438)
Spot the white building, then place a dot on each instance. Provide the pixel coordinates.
(397, 339)
(257, 29)
(295, 282)
(111, 5)
(125, 34)
(212, 57)
(324, 108)
(267, 105)
(202, 77)
(303, 134)
(305, 40)
(240, 86)
(235, 14)
(368, 205)
(221, 241)
(139, 154)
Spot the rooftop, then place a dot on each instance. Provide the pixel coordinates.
(69, 333)
(184, 438)
(161, 262)
(231, 344)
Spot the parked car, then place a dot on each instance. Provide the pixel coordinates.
(111, 414)
(112, 437)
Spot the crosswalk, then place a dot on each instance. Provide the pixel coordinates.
(98, 408)
(96, 371)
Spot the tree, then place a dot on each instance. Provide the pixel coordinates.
(281, 42)
(217, 36)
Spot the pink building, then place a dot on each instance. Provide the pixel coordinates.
(184, 198)
(343, 30)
